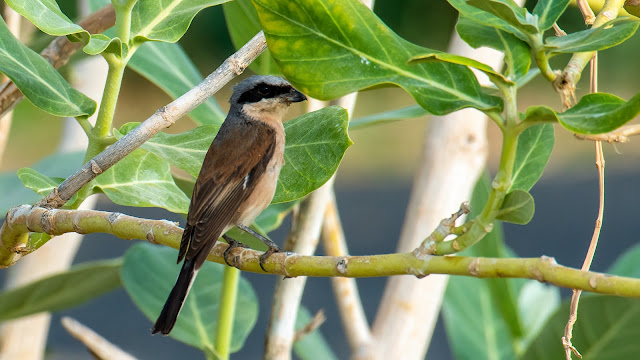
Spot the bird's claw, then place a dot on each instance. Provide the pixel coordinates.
(266, 254)
(232, 245)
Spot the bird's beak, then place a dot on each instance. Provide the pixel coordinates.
(295, 96)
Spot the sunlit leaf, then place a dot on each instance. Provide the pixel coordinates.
(143, 179)
(328, 49)
(47, 16)
(165, 20)
(38, 80)
(492, 15)
(493, 75)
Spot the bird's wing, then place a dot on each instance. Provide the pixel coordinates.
(235, 162)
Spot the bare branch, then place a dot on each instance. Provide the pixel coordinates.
(100, 347)
(318, 319)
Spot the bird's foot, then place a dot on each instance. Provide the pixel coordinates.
(232, 245)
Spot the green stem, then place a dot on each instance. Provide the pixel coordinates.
(542, 60)
(230, 280)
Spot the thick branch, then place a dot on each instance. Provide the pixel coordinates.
(543, 269)
(58, 53)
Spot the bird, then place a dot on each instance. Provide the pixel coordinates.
(237, 180)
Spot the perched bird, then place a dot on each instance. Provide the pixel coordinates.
(237, 180)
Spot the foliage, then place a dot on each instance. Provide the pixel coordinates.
(327, 49)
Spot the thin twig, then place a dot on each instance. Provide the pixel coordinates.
(58, 53)
(161, 119)
(559, 32)
(318, 319)
(619, 135)
(587, 13)
(575, 298)
(100, 347)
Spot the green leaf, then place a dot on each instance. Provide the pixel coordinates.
(549, 11)
(518, 208)
(510, 12)
(329, 49)
(143, 179)
(38, 80)
(165, 20)
(488, 17)
(169, 67)
(243, 24)
(148, 274)
(607, 329)
(313, 345)
(517, 54)
(39, 183)
(595, 39)
(47, 16)
(539, 114)
(408, 112)
(315, 145)
(185, 150)
(599, 113)
(536, 303)
(474, 324)
(73, 287)
(627, 263)
(58, 164)
(494, 76)
(533, 152)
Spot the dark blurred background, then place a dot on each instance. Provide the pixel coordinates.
(373, 184)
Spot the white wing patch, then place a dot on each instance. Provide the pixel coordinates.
(246, 180)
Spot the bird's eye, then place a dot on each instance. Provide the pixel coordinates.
(263, 90)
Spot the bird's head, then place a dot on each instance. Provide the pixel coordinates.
(264, 96)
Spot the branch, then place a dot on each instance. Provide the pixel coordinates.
(100, 347)
(161, 119)
(619, 135)
(565, 84)
(58, 53)
(544, 269)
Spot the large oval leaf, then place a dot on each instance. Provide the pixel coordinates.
(165, 20)
(148, 274)
(75, 286)
(143, 179)
(607, 329)
(599, 113)
(38, 80)
(532, 154)
(331, 48)
(595, 39)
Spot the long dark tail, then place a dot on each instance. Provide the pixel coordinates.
(171, 309)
